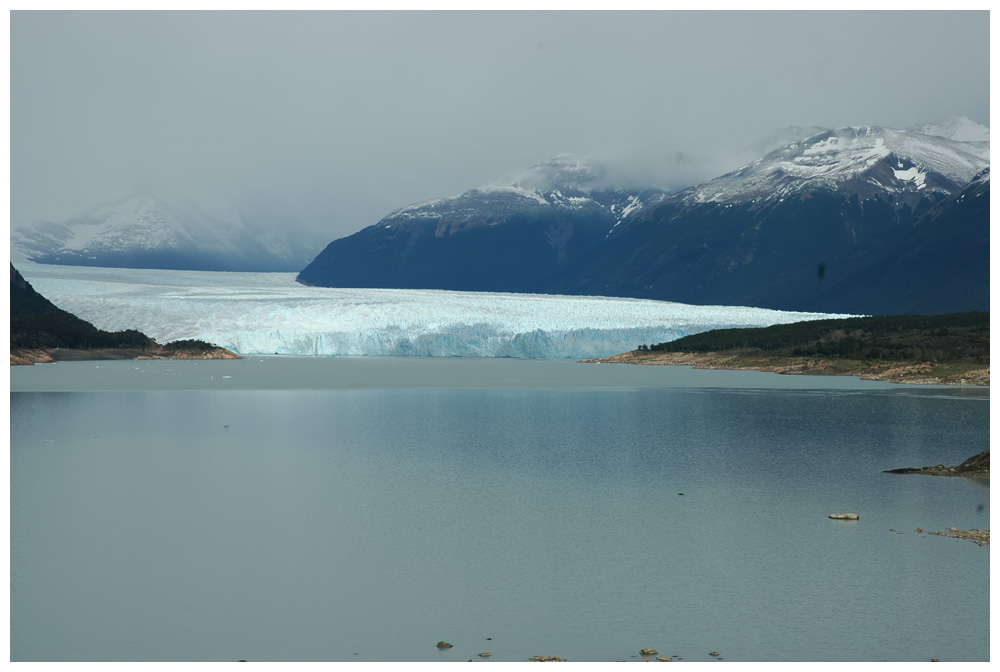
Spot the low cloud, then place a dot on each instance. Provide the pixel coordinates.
(333, 119)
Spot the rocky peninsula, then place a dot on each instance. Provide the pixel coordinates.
(914, 349)
(913, 373)
(175, 350)
(977, 466)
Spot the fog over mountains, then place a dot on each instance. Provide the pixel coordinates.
(147, 230)
(336, 118)
(853, 219)
(795, 229)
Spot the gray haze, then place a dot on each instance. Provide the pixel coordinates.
(336, 118)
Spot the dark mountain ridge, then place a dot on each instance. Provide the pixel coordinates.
(938, 262)
(858, 220)
(515, 237)
(40, 331)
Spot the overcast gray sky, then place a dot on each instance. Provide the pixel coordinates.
(338, 118)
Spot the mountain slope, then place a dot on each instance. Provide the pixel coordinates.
(35, 322)
(939, 263)
(961, 129)
(514, 237)
(790, 228)
(144, 231)
(42, 332)
(24, 300)
(816, 224)
(866, 160)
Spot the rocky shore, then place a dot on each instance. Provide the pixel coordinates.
(916, 373)
(981, 537)
(646, 654)
(977, 466)
(27, 356)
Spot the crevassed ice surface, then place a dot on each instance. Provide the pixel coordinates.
(269, 313)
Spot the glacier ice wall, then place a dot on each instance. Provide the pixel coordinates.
(269, 313)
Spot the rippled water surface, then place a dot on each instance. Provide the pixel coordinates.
(311, 509)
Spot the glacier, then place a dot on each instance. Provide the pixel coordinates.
(270, 313)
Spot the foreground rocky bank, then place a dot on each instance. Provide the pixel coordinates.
(977, 466)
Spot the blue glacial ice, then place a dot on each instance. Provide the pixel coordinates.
(269, 313)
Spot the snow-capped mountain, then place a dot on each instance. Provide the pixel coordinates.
(867, 160)
(145, 231)
(778, 138)
(940, 261)
(508, 236)
(565, 182)
(961, 129)
(792, 229)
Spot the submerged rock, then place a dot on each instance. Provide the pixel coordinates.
(444, 645)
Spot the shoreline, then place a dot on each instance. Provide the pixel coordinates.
(31, 356)
(910, 373)
(977, 466)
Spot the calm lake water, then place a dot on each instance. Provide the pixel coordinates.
(363, 509)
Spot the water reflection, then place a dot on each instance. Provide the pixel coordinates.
(369, 524)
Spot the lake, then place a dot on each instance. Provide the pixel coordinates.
(363, 509)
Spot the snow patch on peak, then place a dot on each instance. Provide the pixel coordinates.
(840, 155)
(780, 138)
(518, 190)
(911, 175)
(416, 209)
(632, 205)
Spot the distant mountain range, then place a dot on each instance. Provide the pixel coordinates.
(512, 237)
(850, 220)
(148, 231)
(859, 219)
